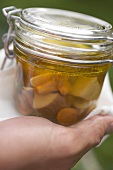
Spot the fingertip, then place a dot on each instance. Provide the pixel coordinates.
(110, 128)
(92, 130)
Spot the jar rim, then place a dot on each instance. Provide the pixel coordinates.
(66, 24)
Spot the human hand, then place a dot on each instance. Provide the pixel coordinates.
(33, 143)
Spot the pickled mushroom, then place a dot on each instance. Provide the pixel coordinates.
(46, 103)
(81, 103)
(24, 106)
(40, 79)
(47, 87)
(28, 92)
(68, 116)
(86, 87)
(63, 83)
(77, 102)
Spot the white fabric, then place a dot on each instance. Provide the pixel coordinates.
(7, 106)
(105, 101)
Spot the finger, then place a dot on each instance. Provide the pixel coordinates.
(89, 133)
(98, 120)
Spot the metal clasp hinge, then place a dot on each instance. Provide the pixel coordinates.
(10, 13)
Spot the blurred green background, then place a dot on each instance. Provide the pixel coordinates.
(100, 158)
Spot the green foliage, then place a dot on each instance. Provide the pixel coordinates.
(104, 154)
(111, 77)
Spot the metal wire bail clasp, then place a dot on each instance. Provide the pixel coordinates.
(10, 13)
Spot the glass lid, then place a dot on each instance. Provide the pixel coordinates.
(66, 23)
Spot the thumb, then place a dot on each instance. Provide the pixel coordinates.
(91, 131)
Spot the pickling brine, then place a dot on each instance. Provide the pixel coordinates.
(61, 94)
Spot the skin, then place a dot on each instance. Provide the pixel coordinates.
(33, 143)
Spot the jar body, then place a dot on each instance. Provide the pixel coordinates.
(61, 63)
(62, 94)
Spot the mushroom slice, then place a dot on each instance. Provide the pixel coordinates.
(81, 103)
(41, 101)
(40, 79)
(28, 92)
(53, 102)
(23, 106)
(63, 83)
(86, 87)
(49, 105)
(47, 87)
(68, 116)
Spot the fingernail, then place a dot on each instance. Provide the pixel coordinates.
(103, 113)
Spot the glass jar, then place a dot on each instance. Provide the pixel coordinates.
(61, 60)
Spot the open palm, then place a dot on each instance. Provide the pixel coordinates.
(33, 143)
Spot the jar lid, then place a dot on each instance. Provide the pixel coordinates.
(67, 24)
(59, 35)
